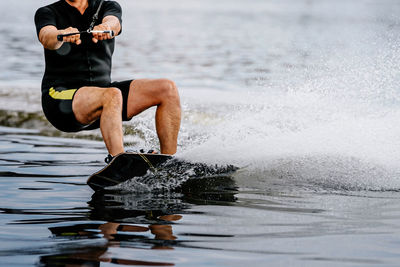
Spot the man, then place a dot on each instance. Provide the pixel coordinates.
(77, 92)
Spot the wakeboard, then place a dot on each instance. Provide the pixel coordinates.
(124, 167)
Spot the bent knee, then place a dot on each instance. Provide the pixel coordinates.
(112, 95)
(168, 89)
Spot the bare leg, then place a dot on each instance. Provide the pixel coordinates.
(162, 93)
(91, 103)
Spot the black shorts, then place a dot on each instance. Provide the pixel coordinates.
(57, 107)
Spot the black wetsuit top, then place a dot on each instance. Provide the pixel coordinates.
(73, 66)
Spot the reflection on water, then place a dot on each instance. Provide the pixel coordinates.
(38, 167)
(120, 230)
(132, 221)
(49, 217)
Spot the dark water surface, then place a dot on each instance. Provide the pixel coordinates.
(49, 217)
(302, 95)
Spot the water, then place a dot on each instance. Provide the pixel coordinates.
(303, 96)
(49, 216)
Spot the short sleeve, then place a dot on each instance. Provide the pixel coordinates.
(112, 8)
(44, 16)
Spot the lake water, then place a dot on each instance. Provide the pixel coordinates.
(302, 95)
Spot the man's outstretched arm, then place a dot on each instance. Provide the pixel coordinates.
(48, 34)
(109, 23)
(48, 37)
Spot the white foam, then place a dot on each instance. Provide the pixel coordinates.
(339, 128)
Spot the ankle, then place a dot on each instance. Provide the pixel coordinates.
(109, 158)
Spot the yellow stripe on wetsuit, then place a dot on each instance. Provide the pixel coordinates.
(62, 95)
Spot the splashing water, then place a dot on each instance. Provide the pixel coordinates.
(293, 92)
(337, 130)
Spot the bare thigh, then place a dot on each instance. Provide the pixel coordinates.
(146, 93)
(87, 104)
